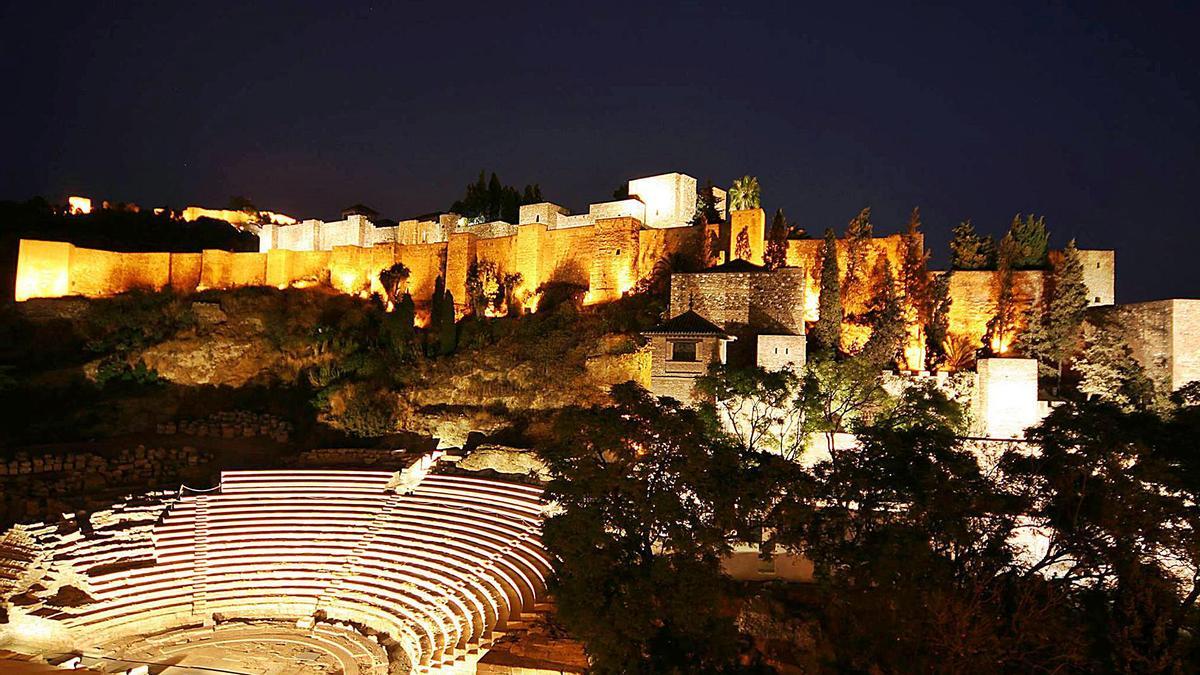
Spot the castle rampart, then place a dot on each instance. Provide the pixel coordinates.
(1163, 334)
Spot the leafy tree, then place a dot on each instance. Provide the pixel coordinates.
(393, 279)
(1003, 323)
(886, 343)
(777, 242)
(858, 238)
(706, 205)
(644, 516)
(910, 540)
(1109, 372)
(828, 329)
(937, 330)
(744, 194)
(758, 407)
(969, 251)
(1110, 489)
(835, 394)
(1030, 242)
(1054, 335)
(741, 248)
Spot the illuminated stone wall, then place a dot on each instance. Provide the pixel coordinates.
(754, 223)
(1099, 275)
(670, 198)
(776, 352)
(806, 254)
(1164, 336)
(43, 269)
(614, 258)
(768, 302)
(1006, 401)
(974, 295)
(237, 217)
(222, 269)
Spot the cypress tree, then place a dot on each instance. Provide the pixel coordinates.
(447, 330)
(937, 330)
(776, 254)
(495, 197)
(914, 271)
(706, 206)
(1000, 326)
(858, 234)
(887, 323)
(1109, 372)
(1053, 336)
(402, 322)
(828, 329)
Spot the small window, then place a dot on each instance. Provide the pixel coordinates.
(1097, 265)
(787, 350)
(1097, 299)
(777, 350)
(537, 219)
(683, 351)
(618, 252)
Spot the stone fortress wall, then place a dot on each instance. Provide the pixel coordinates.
(1163, 334)
(605, 250)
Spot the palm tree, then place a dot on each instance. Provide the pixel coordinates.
(744, 194)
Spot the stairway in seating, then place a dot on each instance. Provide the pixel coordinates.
(200, 561)
(348, 569)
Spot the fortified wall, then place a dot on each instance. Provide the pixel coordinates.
(606, 259)
(1163, 334)
(605, 251)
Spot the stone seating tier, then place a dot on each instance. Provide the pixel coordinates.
(443, 569)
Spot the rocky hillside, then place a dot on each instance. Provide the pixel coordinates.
(340, 353)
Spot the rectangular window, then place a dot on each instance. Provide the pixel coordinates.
(683, 351)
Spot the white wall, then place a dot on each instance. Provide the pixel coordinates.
(1006, 397)
(670, 198)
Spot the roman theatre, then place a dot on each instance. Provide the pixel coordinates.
(287, 571)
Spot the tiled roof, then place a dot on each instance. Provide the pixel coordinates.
(688, 323)
(736, 265)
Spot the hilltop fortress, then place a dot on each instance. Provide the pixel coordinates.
(604, 251)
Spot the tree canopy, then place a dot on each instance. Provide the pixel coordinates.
(487, 199)
(647, 503)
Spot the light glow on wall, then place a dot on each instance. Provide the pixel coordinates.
(79, 206)
(235, 217)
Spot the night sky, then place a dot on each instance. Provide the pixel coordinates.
(1088, 114)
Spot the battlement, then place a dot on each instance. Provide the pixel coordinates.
(662, 201)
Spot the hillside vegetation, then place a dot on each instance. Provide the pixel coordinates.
(344, 356)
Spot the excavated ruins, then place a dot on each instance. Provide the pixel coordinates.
(286, 571)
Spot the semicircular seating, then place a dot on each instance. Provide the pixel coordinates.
(441, 568)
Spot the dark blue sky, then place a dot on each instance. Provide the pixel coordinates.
(1087, 114)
